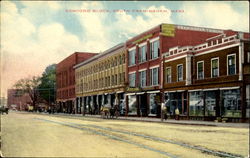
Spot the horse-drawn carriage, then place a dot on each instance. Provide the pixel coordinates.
(4, 110)
(107, 111)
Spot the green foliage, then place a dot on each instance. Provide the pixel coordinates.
(28, 85)
(48, 82)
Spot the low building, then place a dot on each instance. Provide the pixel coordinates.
(17, 100)
(100, 80)
(65, 81)
(209, 80)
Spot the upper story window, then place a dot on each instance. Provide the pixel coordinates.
(154, 73)
(132, 80)
(131, 55)
(200, 70)
(168, 75)
(231, 64)
(180, 72)
(142, 53)
(154, 49)
(143, 78)
(215, 67)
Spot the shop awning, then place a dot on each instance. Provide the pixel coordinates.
(153, 91)
(211, 89)
(169, 91)
(194, 90)
(130, 94)
(228, 88)
(140, 93)
(120, 92)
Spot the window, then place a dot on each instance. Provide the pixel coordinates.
(231, 66)
(179, 72)
(132, 80)
(200, 70)
(132, 57)
(231, 103)
(142, 51)
(196, 103)
(248, 101)
(143, 78)
(248, 57)
(215, 67)
(168, 75)
(210, 102)
(154, 76)
(154, 49)
(132, 107)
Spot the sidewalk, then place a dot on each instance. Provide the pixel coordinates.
(169, 121)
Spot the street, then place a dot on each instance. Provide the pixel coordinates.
(43, 135)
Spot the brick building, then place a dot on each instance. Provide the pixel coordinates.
(65, 81)
(100, 80)
(209, 80)
(17, 101)
(145, 68)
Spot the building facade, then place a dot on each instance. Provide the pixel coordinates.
(65, 81)
(18, 101)
(209, 80)
(145, 69)
(100, 80)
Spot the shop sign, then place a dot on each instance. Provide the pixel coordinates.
(168, 30)
(143, 38)
(133, 89)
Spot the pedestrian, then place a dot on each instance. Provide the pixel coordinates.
(165, 112)
(177, 113)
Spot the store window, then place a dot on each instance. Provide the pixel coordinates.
(200, 70)
(154, 76)
(132, 109)
(179, 72)
(154, 103)
(248, 57)
(196, 103)
(154, 49)
(143, 78)
(231, 66)
(132, 80)
(142, 51)
(175, 100)
(248, 101)
(168, 75)
(215, 67)
(231, 103)
(131, 57)
(210, 103)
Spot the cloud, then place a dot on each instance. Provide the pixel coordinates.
(134, 24)
(215, 15)
(27, 49)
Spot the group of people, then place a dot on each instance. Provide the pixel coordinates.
(165, 113)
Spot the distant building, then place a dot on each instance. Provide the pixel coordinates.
(65, 81)
(18, 101)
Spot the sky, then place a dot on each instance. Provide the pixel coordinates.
(35, 34)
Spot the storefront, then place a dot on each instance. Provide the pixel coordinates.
(154, 103)
(217, 102)
(176, 99)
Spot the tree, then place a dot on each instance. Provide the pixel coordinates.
(29, 86)
(48, 82)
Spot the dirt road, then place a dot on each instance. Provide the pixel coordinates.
(30, 134)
